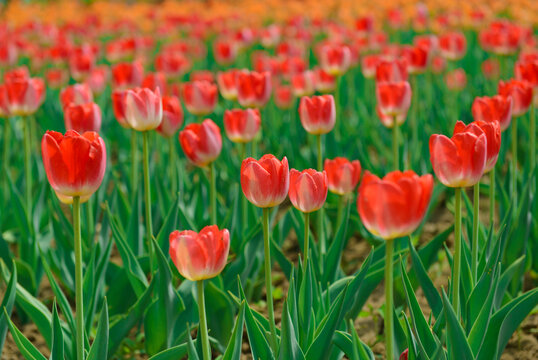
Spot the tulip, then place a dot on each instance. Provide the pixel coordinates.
(81, 65)
(172, 116)
(227, 82)
(75, 165)
(82, 118)
(456, 79)
(200, 97)
(490, 68)
(394, 98)
(56, 78)
(118, 106)
(452, 45)
(202, 143)
(155, 80)
(173, 64)
(224, 51)
(98, 79)
(200, 256)
(19, 73)
(417, 58)
(391, 71)
(202, 75)
(521, 93)
(335, 58)
(318, 114)
(253, 88)
(143, 109)
(303, 84)
(127, 75)
(324, 82)
(242, 125)
(76, 94)
(393, 207)
(25, 96)
(307, 192)
(265, 183)
(369, 65)
(404, 355)
(438, 65)
(283, 97)
(495, 108)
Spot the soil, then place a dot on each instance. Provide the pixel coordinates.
(522, 346)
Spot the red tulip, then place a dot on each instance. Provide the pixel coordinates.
(253, 88)
(242, 125)
(429, 41)
(82, 118)
(200, 97)
(495, 108)
(303, 84)
(225, 50)
(456, 79)
(77, 94)
(200, 256)
(56, 78)
(324, 82)
(8, 53)
(172, 116)
(335, 58)
(342, 175)
(404, 355)
(459, 161)
(16, 74)
(127, 75)
(490, 68)
(283, 96)
(75, 164)
(438, 65)
(118, 106)
(364, 25)
(520, 92)
(4, 106)
(417, 58)
(227, 81)
(393, 98)
(528, 71)
(391, 71)
(155, 80)
(143, 108)
(369, 65)
(270, 36)
(25, 96)
(318, 114)
(394, 206)
(389, 120)
(492, 130)
(81, 64)
(452, 45)
(201, 143)
(308, 189)
(172, 63)
(98, 79)
(265, 182)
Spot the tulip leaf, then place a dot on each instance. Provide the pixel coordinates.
(233, 350)
(505, 279)
(134, 232)
(27, 349)
(334, 255)
(7, 304)
(289, 348)
(170, 224)
(57, 349)
(173, 353)
(344, 342)
(99, 347)
(456, 340)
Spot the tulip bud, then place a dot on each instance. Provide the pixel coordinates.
(393, 98)
(308, 189)
(200, 97)
(253, 88)
(201, 143)
(318, 114)
(492, 130)
(82, 118)
(265, 182)
(242, 125)
(172, 116)
(77, 94)
(342, 175)
(521, 94)
(143, 109)
(25, 96)
(227, 82)
(495, 108)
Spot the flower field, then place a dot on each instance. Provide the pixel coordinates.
(301, 180)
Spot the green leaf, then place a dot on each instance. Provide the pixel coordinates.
(334, 255)
(344, 342)
(191, 349)
(7, 305)
(170, 224)
(289, 348)
(27, 349)
(233, 350)
(220, 313)
(99, 347)
(57, 349)
(456, 340)
(174, 353)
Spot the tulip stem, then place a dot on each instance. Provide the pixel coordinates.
(532, 132)
(457, 254)
(6, 153)
(514, 165)
(389, 321)
(320, 154)
(492, 198)
(395, 145)
(268, 281)
(342, 202)
(28, 166)
(134, 160)
(202, 329)
(173, 166)
(306, 237)
(213, 193)
(414, 120)
(321, 237)
(79, 310)
(474, 245)
(244, 204)
(147, 193)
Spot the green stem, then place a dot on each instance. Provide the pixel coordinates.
(28, 165)
(6, 154)
(395, 146)
(147, 194)
(457, 254)
(244, 204)
(213, 193)
(134, 160)
(389, 320)
(206, 348)
(89, 218)
(474, 246)
(414, 120)
(492, 198)
(79, 310)
(172, 166)
(268, 281)
(321, 237)
(514, 164)
(306, 237)
(532, 131)
(320, 153)
(342, 201)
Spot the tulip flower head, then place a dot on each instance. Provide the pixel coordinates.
(283, 96)
(308, 189)
(393, 98)
(265, 182)
(335, 58)
(200, 256)
(253, 88)
(25, 96)
(200, 97)
(76, 94)
(75, 164)
(342, 175)
(391, 71)
(242, 125)
(394, 206)
(172, 116)
(318, 114)
(227, 82)
(459, 161)
(520, 92)
(492, 130)
(127, 75)
(82, 118)
(201, 143)
(143, 109)
(495, 108)
(453, 45)
(456, 79)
